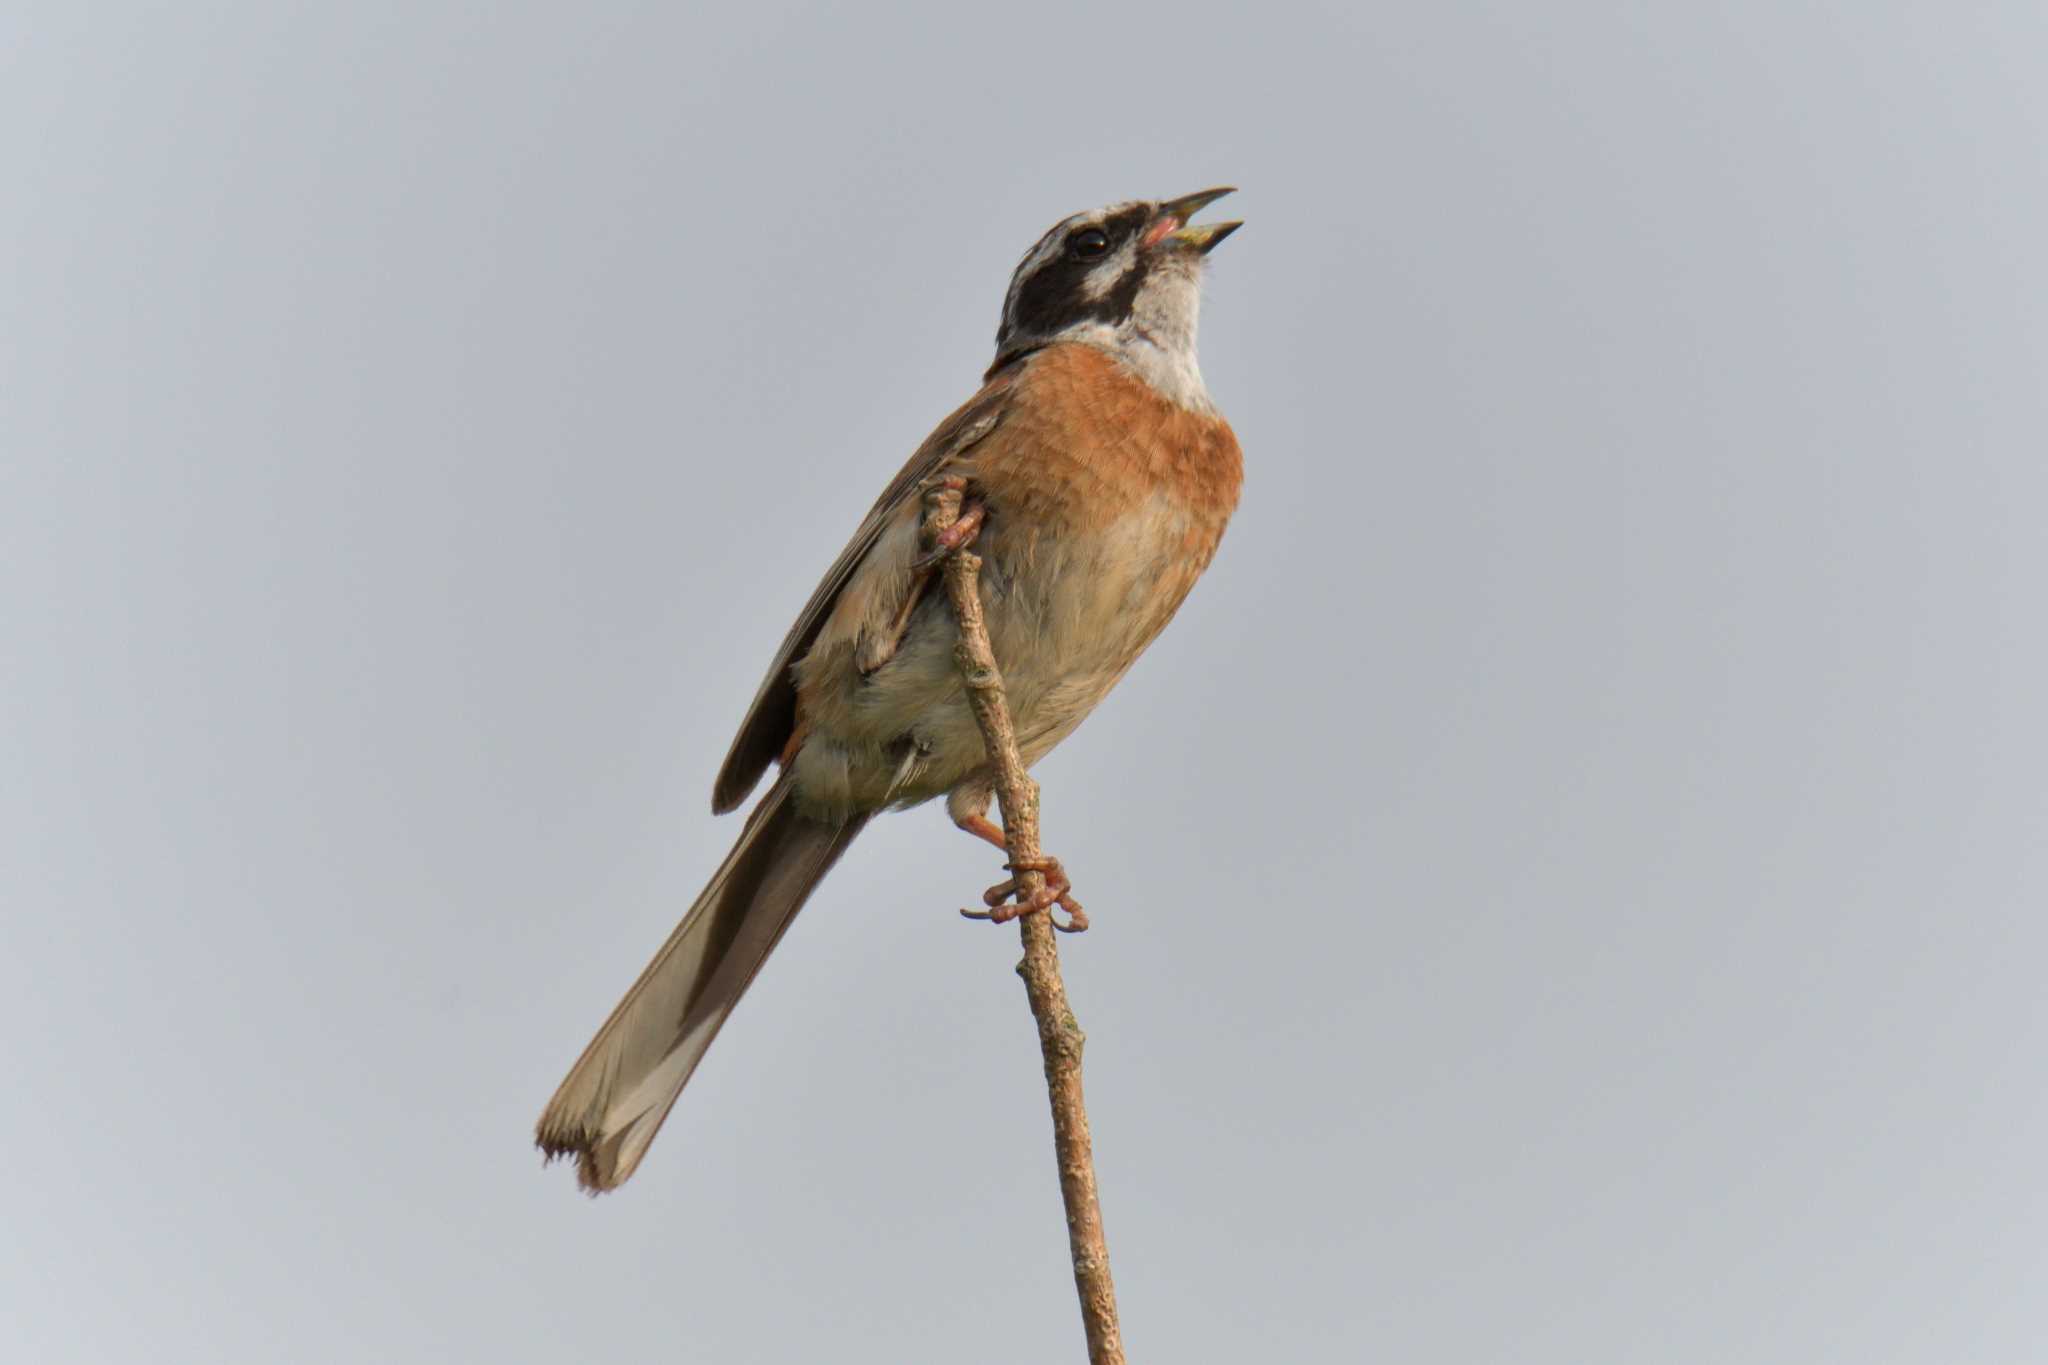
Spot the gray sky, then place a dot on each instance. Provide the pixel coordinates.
(1568, 888)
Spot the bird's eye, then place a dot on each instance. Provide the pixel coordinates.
(1089, 244)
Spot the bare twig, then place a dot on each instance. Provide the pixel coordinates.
(1059, 1037)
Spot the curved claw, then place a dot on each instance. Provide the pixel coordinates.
(1076, 921)
(1057, 891)
(961, 532)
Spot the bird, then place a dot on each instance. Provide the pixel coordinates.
(1097, 478)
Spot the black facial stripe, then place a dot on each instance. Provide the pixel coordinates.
(1057, 229)
(1052, 298)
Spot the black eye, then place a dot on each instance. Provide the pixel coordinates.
(1089, 244)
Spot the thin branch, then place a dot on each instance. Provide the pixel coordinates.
(1059, 1037)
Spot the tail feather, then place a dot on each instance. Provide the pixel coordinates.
(616, 1096)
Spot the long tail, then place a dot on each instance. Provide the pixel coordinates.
(624, 1084)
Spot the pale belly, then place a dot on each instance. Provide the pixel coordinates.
(1069, 611)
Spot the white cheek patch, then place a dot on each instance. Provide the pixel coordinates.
(1105, 277)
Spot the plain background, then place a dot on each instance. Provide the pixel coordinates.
(1568, 888)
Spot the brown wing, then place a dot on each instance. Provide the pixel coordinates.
(772, 717)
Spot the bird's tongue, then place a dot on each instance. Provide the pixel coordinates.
(1155, 234)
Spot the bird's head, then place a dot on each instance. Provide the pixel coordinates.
(1126, 277)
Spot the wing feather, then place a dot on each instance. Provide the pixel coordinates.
(771, 719)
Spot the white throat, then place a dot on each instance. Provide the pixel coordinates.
(1157, 341)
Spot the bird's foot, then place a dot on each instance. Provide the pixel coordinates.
(961, 532)
(1058, 890)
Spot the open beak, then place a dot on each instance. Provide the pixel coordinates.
(1172, 228)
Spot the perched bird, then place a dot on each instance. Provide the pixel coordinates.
(1098, 477)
